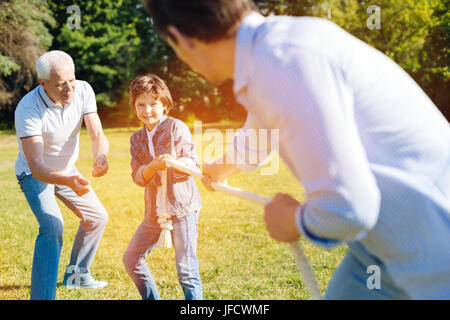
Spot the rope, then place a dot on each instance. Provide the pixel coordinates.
(302, 262)
(306, 271)
(164, 219)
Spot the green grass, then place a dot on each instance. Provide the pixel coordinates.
(238, 260)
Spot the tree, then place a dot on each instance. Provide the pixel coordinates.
(113, 41)
(24, 37)
(434, 75)
(116, 41)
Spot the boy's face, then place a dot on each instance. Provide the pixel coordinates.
(149, 110)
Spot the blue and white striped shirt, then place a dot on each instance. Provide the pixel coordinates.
(370, 148)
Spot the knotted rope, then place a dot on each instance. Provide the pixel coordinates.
(164, 218)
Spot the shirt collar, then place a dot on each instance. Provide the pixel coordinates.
(152, 132)
(159, 127)
(45, 98)
(244, 46)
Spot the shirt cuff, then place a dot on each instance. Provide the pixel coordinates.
(246, 158)
(138, 178)
(30, 135)
(300, 223)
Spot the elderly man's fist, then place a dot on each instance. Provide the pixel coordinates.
(100, 166)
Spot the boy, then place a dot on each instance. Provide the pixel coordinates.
(161, 138)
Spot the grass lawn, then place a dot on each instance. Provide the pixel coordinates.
(238, 260)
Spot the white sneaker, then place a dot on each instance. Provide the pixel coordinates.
(89, 284)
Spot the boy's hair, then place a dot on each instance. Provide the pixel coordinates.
(206, 20)
(150, 83)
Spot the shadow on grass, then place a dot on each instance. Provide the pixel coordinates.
(14, 287)
(11, 287)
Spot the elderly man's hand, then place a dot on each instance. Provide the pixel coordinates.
(78, 184)
(100, 166)
(280, 218)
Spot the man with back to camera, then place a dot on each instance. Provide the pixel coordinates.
(48, 122)
(370, 148)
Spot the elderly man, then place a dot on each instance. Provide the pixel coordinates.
(48, 122)
(368, 145)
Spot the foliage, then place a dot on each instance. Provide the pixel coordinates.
(434, 74)
(7, 66)
(23, 38)
(414, 33)
(116, 41)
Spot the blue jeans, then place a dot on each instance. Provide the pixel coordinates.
(47, 250)
(184, 238)
(350, 280)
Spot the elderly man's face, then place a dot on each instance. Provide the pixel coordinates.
(61, 85)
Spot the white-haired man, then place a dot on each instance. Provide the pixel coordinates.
(48, 122)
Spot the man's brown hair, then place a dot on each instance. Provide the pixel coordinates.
(150, 83)
(206, 20)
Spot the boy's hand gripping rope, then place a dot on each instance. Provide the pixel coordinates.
(302, 262)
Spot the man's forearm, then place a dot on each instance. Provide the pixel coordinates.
(226, 171)
(42, 172)
(222, 170)
(100, 145)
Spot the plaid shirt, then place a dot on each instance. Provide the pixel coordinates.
(173, 137)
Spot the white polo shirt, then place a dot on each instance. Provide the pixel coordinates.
(37, 115)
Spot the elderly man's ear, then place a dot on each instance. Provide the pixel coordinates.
(41, 82)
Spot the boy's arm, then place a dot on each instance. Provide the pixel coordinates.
(144, 173)
(137, 165)
(157, 164)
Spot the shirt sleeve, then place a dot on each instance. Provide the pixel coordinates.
(252, 146)
(28, 121)
(309, 99)
(184, 147)
(90, 104)
(137, 163)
